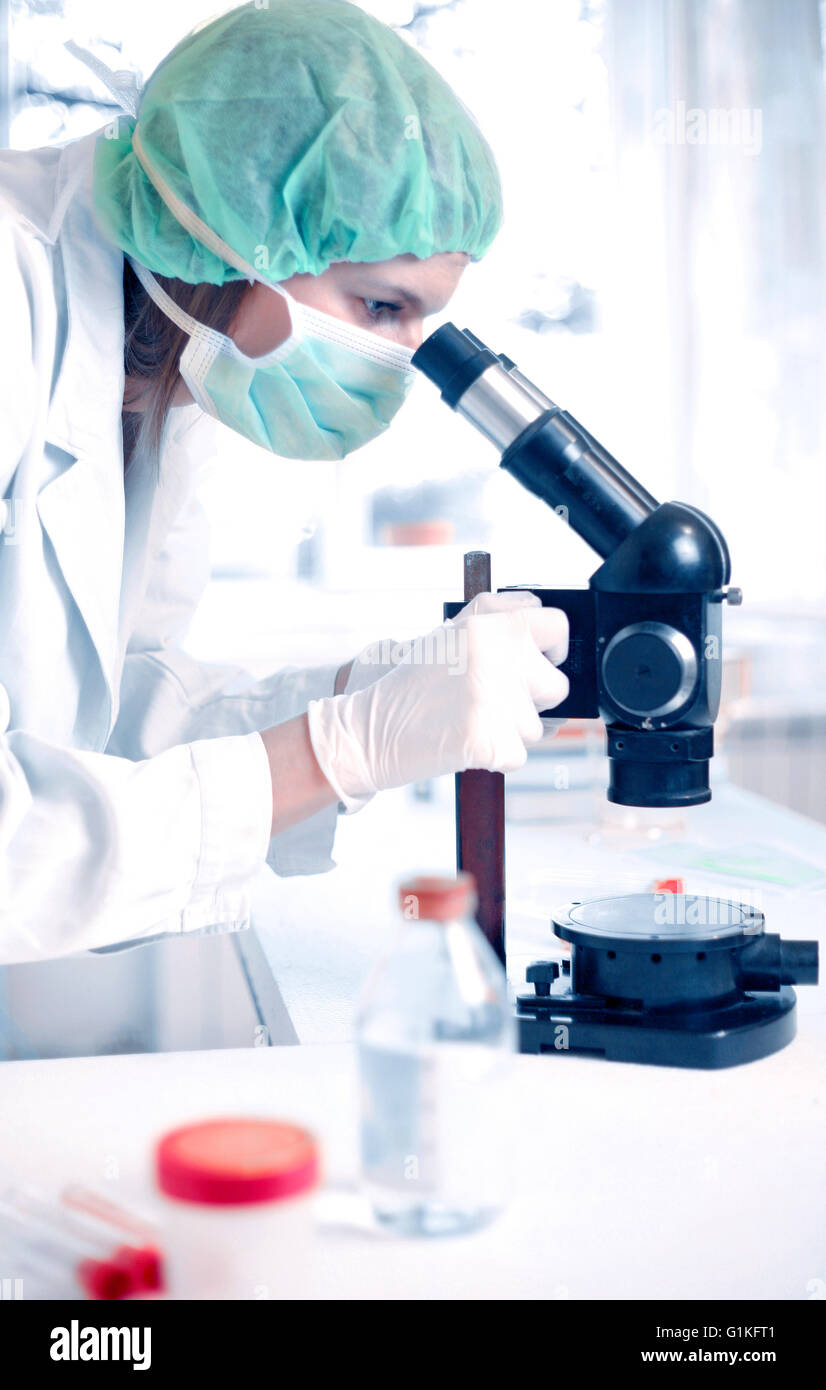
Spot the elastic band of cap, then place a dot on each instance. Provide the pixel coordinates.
(190, 220)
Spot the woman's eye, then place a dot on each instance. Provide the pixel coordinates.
(376, 307)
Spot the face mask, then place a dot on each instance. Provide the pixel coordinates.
(324, 392)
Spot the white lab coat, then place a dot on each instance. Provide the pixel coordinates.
(135, 798)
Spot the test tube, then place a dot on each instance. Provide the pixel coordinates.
(56, 1261)
(139, 1230)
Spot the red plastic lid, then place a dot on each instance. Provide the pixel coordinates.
(437, 897)
(233, 1162)
(106, 1279)
(146, 1264)
(669, 885)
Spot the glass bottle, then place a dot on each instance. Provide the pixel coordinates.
(435, 1036)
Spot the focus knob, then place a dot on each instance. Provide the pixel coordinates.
(649, 669)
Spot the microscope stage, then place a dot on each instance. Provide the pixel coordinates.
(666, 979)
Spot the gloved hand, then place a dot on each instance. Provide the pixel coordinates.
(465, 695)
(379, 658)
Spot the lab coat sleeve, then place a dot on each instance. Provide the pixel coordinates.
(96, 849)
(168, 697)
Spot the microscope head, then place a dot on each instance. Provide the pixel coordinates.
(645, 653)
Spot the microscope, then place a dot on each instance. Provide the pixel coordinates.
(670, 979)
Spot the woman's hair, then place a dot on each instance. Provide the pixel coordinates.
(153, 346)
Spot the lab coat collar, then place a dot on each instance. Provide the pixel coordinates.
(83, 508)
(87, 400)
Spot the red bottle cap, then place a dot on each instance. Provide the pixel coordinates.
(668, 885)
(106, 1279)
(235, 1162)
(437, 897)
(146, 1264)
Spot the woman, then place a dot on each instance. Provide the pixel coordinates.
(299, 191)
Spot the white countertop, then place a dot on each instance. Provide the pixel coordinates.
(630, 1182)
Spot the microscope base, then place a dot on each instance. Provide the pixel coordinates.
(742, 1031)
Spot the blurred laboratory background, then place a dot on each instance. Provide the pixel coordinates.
(661, 274)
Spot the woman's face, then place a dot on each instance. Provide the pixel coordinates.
(391, 298)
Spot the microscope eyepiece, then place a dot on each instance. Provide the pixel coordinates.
(452, 360)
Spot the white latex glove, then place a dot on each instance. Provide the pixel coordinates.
(371, 664)
(380, 658)
(466, 695)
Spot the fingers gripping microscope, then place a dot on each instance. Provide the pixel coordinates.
(692, 981)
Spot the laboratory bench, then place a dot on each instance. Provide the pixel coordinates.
(629, 1181)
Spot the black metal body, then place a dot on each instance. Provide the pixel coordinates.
(658, 703)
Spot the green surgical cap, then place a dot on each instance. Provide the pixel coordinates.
(302, 132)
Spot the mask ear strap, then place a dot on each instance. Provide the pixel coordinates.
(160, 297)
(204, 343)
